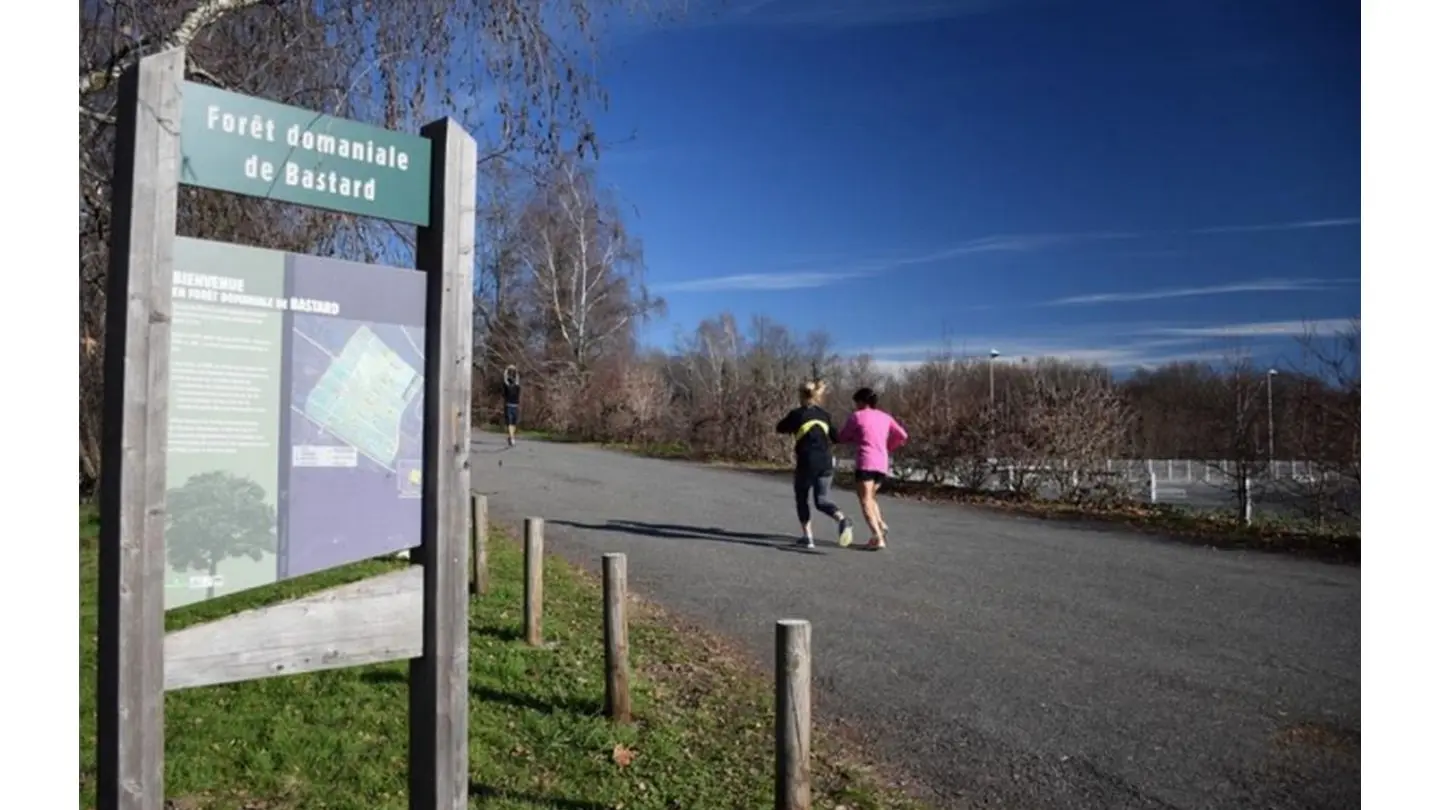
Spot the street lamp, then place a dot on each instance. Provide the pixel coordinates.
(994, 353)
(1270, 414)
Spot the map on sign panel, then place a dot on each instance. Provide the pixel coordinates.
(364, 394)
(356, 418)
(363, 390)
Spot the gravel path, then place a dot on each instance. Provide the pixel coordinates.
(1006, 661)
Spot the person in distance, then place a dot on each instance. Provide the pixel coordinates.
(511, 387)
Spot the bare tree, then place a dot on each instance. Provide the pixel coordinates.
(584, 268)
(704, 378)
(1232, 410)
(1323, 419)
(941, 404)
(1081, 421)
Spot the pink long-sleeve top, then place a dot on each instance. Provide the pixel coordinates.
(875, 435)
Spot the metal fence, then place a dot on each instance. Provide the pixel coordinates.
(1183, 482)
(1219, 473)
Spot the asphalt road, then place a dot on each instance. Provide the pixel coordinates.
(1004, 661)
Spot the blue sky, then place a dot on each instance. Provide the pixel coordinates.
(1124, 181)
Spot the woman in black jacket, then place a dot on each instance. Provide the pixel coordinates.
(814, 462)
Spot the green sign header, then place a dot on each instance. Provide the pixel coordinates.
(251, 146)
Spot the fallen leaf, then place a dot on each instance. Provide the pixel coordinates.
(623, 756)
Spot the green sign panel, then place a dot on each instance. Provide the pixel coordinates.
(251, 146)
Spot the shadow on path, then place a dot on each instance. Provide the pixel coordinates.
(677, 532)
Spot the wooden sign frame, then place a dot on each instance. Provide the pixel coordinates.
(420, 614)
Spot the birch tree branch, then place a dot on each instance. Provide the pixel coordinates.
(206, 14)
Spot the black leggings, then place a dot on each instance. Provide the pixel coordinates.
(805, 482)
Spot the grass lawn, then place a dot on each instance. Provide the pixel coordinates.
(703, 736)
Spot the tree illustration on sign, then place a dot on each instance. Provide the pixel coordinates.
(217, 516)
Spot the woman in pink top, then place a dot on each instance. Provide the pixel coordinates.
(875, 435)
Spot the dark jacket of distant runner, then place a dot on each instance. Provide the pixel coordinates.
(812, 429)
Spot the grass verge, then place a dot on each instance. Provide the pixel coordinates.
(703, 736)
(1200, 527)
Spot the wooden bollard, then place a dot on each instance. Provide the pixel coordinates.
(617, 640)
(534, 578)
(479, 529)
(792, 714)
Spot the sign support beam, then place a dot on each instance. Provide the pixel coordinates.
(439, 680)
(131, 721)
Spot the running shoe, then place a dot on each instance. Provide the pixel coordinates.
(805, 542)
(847, 532)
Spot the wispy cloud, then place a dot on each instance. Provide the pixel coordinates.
(862, 13)
(1325, 326)
(1038, 241)
(1015, 350)
(807, 279)
(1258, 285)
(1115, 346)
(756, 282)
(1304, 225)
(820, 276)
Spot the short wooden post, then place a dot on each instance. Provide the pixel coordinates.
(534, 578)
(479, 531)
(792, 714)
(617, 640)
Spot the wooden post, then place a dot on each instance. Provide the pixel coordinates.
(792, 714)
(130, 726)
(617, 640)
(534, 579)
(440, 678)
(479, 535)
